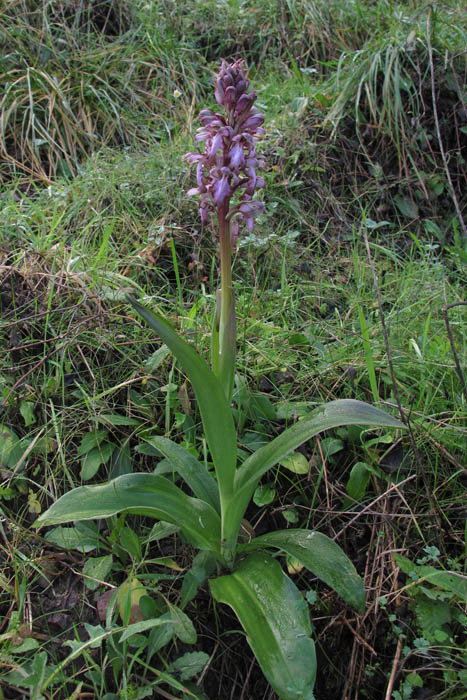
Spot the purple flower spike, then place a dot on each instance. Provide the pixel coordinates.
(226, 171)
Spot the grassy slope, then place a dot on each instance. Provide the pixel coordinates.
(342, 162)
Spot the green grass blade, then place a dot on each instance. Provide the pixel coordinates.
(214, 408)
(139, 494)
(275, 617)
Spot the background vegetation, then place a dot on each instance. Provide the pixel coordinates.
(352, 285)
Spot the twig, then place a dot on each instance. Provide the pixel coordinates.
(395, 664)
(370, 505)
(359, 637)
(438, 130)
(444, 311)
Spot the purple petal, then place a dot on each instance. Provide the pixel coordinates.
(227, 79)
(215, 146)
(237, 157)
(230, 96)
(242, 85)
(251, 181)
(199, 176)
(193, 157)
(221, 191)
(219, 91)
(245, 102)
(254, 121)
(201, 135)
(251, 209)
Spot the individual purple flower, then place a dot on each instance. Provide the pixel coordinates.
(226, 171)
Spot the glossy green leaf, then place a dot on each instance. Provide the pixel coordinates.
(214, 408)
(223, 345)
(140, 494)
(195, 474)
(296, 463)
(275, 618)
(359, 478)
(93, 459)
(331, 415)
(322, 556)
(204, 564)
(264, 495)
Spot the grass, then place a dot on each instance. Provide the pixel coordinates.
(94, 204)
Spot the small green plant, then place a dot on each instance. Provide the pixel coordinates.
(243, 575)
(437, 597)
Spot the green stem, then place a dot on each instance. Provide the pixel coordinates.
(223, 334)
(226, 273)
(224, 346)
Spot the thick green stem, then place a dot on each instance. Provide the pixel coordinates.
(226, 277)
(224, 334)
(224, 349)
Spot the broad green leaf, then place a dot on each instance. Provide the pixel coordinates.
(359, 478)
(189, 664)
(121, 462)
(129, 595)
(156, 359)
(330, 446)
(9, 444)
(406, 206)
(140, 494)
(91, 440)
(129, 540)
(91, 461)
(84, 537)
(432, 616)
(331, 415)
(296, 463)
(161, 530)
(214, 408)
(95, 570)
(204, 564)
(26, 408)
(290, 515)
(193, 472)
(275, 618)
(446, 580)
(183, 626)
(264, 495)
(322, 556)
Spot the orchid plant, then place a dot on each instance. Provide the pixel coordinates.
(244, 575)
